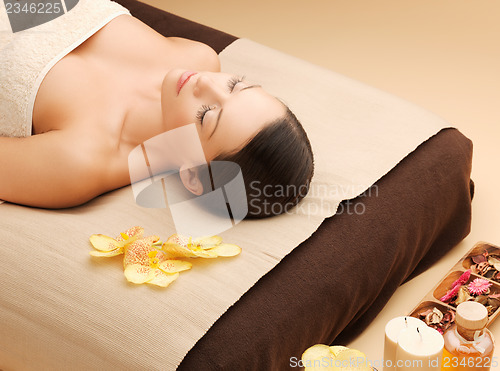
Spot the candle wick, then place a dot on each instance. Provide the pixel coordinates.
(406, 322)
(419, 334)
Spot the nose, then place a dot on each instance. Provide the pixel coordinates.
(207, 87)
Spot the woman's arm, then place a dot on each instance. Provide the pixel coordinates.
(49, 170)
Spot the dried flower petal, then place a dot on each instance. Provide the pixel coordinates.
(490, 273)
(482, 268)
(450, 294)
(494, 302)
(482, 299)
(423, 313)
(434, 317)
(479, 286)
(491, 309)
(494, 261)
(463, 295)
(479, 259)
(464, 277)
(449, 317)
(437, 319)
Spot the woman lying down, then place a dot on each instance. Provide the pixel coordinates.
(85, 103)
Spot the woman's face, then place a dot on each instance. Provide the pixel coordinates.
(227, 110)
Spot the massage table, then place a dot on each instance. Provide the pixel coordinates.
(331, 286)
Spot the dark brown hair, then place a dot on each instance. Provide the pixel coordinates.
(277, 166)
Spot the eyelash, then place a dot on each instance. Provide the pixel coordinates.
(233, 81)
(201, 113)
(204, 108)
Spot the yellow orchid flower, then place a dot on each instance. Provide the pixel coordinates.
(144, 264)
(108, 246)
(178, 246)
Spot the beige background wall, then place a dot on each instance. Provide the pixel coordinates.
(441, 54)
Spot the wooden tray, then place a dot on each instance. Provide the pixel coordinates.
(431, 300)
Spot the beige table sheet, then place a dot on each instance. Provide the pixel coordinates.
(59, 306)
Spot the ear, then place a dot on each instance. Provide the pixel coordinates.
(190, 179)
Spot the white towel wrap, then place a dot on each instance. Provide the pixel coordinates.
(27, 56)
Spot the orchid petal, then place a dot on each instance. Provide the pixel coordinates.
(163, 279)
(131, 232)
(206, 254)
(137, 252)
(174, 266)
(104, 243)
(208, 242)
(138, 274)
(106, 254)
(175, 250)
(226, 250)
(178, 239)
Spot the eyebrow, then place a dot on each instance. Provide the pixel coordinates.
(220, 112)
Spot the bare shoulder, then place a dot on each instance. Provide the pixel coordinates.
(197, 51)
(131, 39)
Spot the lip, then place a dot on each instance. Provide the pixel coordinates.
(184, 79)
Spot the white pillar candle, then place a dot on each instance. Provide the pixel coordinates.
(392, 330)
(419, 349)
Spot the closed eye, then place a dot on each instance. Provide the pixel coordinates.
(202, 112)
(233, 81)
